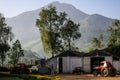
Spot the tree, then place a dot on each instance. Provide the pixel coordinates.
(52, 26)
(114, 37)
(15, 52)
(113, 44)
(69, 33)
(5, 36)
(49, 25)
(97, 42)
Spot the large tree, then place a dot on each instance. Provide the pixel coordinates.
(49, 25)
(15, 52)
(114, 37)
(113, 44)
(5, 36)
(52, 25)
(69, 33)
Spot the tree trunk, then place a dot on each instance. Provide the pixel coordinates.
(69, 44)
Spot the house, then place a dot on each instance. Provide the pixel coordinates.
(67, 61)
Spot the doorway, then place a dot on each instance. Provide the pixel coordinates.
(95, 61)
(60, 65)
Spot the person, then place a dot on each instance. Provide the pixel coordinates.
(52, 69)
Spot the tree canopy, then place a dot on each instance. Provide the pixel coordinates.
(70, 32)
(114, 37)
(113, 44)
(98, 42)
(5, 36)
(54, 26)
(15, 52)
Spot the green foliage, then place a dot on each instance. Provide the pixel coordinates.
(46, 25)
(15, 52)
(97, 42)
(10, 78)
(5, 36)
(113, 44)
(56, 30)
(115, 50)
(49, 24)
(114, 37)
(17, 77)
(70, 32)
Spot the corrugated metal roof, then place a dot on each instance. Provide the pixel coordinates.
(98, 53)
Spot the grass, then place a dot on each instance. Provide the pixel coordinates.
(10, 78)
(16, 77)
(40, 77)
(27, 77)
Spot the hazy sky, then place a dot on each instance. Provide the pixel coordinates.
(109, 8)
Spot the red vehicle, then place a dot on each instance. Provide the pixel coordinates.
(105, 69)
(77, 70)
(21, 68)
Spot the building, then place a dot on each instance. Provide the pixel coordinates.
(94, 58)
(67, 61)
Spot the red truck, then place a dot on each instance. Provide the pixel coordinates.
(20, 68)
(105, 69)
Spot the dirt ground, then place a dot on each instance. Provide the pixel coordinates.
(86, 77)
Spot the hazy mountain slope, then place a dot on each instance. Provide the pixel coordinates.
(25, 30)
(23, 26)
(73, 13)
(93, 25)
(25, 22)
(29, 56)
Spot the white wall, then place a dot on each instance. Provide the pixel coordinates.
(116, 64)
(65, 65)
(109, 58)
(75, 62)
(86, 64)
(54, 62)
(69, 63)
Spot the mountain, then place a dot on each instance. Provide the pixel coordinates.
(24, 27)
(93, 25)
(29, 57)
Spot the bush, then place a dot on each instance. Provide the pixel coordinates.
(28, 77)
(24, 77)
(4, 69)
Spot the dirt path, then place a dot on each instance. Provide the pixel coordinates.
(87, 77)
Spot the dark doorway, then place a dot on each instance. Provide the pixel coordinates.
(60, 65)
(95, 61)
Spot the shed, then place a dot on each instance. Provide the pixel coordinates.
(66, 61)
(94, 58)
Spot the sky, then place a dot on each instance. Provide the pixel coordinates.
(108, 8)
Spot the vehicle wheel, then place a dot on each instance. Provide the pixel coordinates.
(104, 72)
(12, 72)
(95, 73)
(21, 71)
(112, 73)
